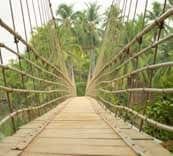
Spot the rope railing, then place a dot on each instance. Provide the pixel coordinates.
(30, 62)
(8, 89)
(6, 67)
(33, 64)
(33, 50)
(42, 83)
(143, 51)
(157, 22)
(148, 90)
(148, 67)
(15, 113)
(138, 115)
(120, 82)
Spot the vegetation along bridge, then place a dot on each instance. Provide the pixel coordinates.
(56, 99)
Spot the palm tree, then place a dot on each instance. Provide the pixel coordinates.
(155, 12)
(65, 12)
(110, 39)
(79, 28)
(79, 36)
(92, 33)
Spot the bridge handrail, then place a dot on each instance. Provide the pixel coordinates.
(2, 45)
(7, 67)
(15, 113)
(123, 75)
(142, 117)
(157, 22)
(8, 89)
(139, 70)
(143, 51)
(35, 52)
(145, 90)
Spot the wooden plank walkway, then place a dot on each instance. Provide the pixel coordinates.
(78, 127)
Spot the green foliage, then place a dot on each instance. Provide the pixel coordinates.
(64, 11)
(81, 41)
(79, 36)
(118, 34)
(161, 111)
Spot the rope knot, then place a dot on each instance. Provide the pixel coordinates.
(2, 45)
(159, 23)
(28, 49)
(139, 39)
(16, 40)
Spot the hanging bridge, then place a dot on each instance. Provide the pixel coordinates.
(49, 118)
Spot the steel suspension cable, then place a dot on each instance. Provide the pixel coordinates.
(40, 15)
(29, 17)
(16, 41)
(130, 6)
(125, 8)
(46, 11)
(42, 11)
(136, 6)
(34, 10)
(122, 10)
(26, 36)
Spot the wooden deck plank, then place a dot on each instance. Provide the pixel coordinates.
(77, 116)
(152, 148)
(77, 134)
(140, 141)
(45, 154)
(136, 135)
(82, 150)
(88, 142)
(78, 129)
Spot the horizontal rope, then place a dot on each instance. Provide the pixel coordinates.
(2, 45)
(149, 90)
(142, 33)
(29, 75)
(4, 120)
(144, 118)
(148, 67)
(8, 89)
(138, 54)
(159, 20)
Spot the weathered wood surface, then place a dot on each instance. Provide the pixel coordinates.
(79, 126)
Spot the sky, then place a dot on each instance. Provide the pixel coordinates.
(77, 5)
